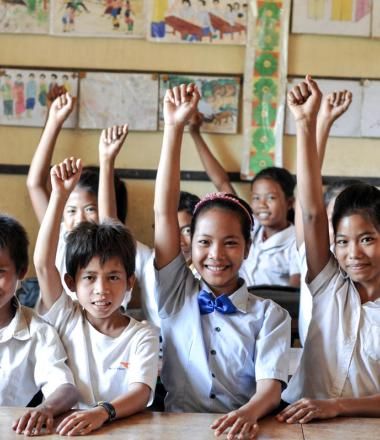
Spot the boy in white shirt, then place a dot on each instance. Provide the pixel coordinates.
(31, 354)
(113, 357)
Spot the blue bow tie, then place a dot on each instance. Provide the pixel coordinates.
(207, 303)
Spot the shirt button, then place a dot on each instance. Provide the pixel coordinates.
(212, 396)
(217, 329)
(212, 374)
(213, 352)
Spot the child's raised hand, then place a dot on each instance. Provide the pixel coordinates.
(241, 424)
(111, 141)
(61, 108)
(304, 100)
(180, 103)
(65, 175)
(334, 105)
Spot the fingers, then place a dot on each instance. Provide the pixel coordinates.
(236, 427)
(67, 168)
(115, 133)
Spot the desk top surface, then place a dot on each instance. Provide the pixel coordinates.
(196, 426)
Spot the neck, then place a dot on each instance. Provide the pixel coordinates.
(113, 325)
(269, 231)
(368, 291)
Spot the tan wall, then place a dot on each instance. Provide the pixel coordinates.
(324, 56)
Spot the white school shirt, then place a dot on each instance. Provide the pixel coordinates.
(211, 362)
(32, 357)
(104, 366)
(306, 300)
(271, 261)
(341, 356)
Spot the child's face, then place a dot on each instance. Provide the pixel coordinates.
(101, 288)
(269, 204)
(8, 278)
(357, 249)
(184, 221)
(218, 249)
(82, 205)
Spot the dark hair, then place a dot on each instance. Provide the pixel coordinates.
(14, 238)
(337, 187)
(223, 201)
(89, 181)
(105, 240)
(360, 198)
(187, 202)
(284, 179)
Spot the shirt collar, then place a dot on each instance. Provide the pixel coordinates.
(239, 298)
(18, 328)
(282, 238)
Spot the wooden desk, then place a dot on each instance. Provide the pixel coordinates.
(160, 426)
(343, 428)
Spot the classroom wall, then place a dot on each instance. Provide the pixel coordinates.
(319, 55)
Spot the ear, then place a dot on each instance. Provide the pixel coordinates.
(70, 282)
(22, 273)
(247, 248)
(290, 202)
(131, 282)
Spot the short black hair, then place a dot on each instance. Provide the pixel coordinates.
(187, 202)
(104, 240)
(336, 188)
(360, 198)
(14, 238)
(89, 181)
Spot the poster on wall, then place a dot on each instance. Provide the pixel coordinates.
(24, 16)
(333, 17)
(197, 21)
(98, 18)
(219, 101)
(348, 125)
(370, 117)
(376, 19)
(117, 98)
(25, 95)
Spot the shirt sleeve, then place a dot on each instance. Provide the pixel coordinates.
(51, 370)
(326, 278)
(173, 283)
(143, 366)
(273, 345)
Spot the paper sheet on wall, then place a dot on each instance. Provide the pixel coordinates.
(104, 18)
(24, 16)
(202, 22)
(370, 118)
(333, 17)
(348, 125)
(117, 98)
(219, 101)
(24, 95)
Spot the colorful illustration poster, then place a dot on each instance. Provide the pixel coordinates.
(24, 16)
(334, 17)
(265, 85)
(117, 98)
(370, 117)
(348, 125)
(25, 95)
(98, 18)
(198, 21)
(219, 101)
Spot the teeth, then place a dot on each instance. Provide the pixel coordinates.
(216, 268)
(263, 215)
(101, 303)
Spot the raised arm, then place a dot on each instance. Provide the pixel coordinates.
(179, 104)
(333, 106)
(110, 143)
(64, 177)
(216, 173)
(38, 175)
(304, 102)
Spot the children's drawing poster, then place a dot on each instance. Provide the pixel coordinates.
(98, 18)
(334, 17)
(117, 98)
(25, 95)
(265, 85)
(24, 16)
(219, 101)
(370, 118)
(198, 21)
(348, 125)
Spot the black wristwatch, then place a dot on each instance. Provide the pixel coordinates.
(109, 408)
